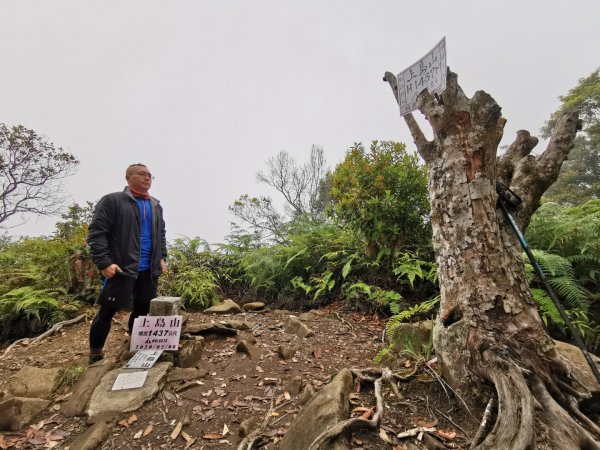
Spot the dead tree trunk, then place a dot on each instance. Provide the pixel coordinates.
(488, 332)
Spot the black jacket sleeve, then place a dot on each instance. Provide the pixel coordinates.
(163, 236)
(99, 231)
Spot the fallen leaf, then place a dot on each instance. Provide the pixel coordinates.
(447, 434)
(259, 369)
(367, 414)
(170, 396)
(399, 447)
(127, 422)
(357, 441)
(207, 393)
(225, 430)
(426, 422)
(318, 352)
(176, 430)
(138, 434)
(287, 395)
(188, 439)
(212, 436)
(148, 430)
(361, 409)
(383, 435)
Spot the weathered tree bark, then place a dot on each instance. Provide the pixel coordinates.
(488, 332)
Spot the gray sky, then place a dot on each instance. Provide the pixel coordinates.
(204, 92)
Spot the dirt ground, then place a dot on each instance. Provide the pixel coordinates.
(237, 387)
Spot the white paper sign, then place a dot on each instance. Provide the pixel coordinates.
(144, 359)
(130, 380)
(429, 72)
(156, 333)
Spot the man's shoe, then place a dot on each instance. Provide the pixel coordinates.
(94, 358)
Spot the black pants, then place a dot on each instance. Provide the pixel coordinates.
(141, 289)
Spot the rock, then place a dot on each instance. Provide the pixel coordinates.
(165, 306)
(307, 393)
(227, 307)
(241, 325)
(415, 335)
(310, 315)
(246, 337)
(252, 351)
(286, 352)
(207, 329)
(19, 411)
(254, 306)
(294, 386)
(92, 438)
(84, 387)
(33, 382)
(106, 403)
(190, 353)
(324, 411)
(579, 365)
(187, 374)
(248, 426)
(293, 325)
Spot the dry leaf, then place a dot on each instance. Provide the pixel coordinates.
(176, 430)
(447, 434)
(170, 396)
(318, 352)
(361, 409)
(206, 394)
(188, 439)
(399, 447)
(383, 435)
(356, 441)
(367, 414)
(259, 369)
(127, 422)
(213, 436)
(148, 430)
(287, 395)
(225, 430)
(138, 434)
(426, 422)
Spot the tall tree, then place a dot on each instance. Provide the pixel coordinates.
(579, 178)
(305, 190)
(31, 169)
(488, 331)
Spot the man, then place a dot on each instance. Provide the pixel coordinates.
(128, 245)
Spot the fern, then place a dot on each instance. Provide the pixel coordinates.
(420, 309)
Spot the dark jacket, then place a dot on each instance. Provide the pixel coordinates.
(114, 234)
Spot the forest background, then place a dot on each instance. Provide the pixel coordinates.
(357, 234)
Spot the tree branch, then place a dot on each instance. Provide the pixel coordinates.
(424, 147)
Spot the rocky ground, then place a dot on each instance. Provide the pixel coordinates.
(251, 376)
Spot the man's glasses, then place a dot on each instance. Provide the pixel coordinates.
(145, 175)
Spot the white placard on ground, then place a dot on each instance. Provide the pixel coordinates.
(429, 72)
(156, 333)
(143, 359)
(130, 380)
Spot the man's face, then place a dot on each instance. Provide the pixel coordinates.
(139, 179)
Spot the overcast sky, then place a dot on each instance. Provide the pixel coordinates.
(204, 92)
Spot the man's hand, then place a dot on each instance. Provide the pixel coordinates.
(163, 265)
(110, 271)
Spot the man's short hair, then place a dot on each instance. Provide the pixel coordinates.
(131, 166)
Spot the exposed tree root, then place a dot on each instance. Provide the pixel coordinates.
(522, 398)
(248, 442)
(377, 377)
(56, 327)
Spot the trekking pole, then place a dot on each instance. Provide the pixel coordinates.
(508, 199)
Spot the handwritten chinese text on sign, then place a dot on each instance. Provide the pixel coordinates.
(156, 333)
(427, 73)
